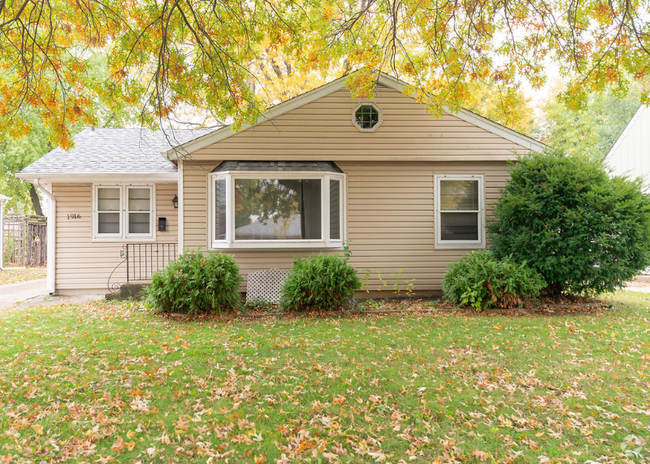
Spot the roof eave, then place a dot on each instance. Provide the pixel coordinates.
(101, 177)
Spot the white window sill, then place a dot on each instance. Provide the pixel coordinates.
(277, 245)
(122, 239)
(460, 246)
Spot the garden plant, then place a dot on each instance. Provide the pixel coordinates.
(584, 231)
(319, 283)
(481, 281)
(196, 283)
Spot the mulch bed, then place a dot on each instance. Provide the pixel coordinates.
(541, 307)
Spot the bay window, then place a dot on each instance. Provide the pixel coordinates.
(459, 208)
(276, 204)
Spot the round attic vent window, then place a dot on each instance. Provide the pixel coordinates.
(367, 117)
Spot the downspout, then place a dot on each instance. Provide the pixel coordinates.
(181, 204)
(51, 236)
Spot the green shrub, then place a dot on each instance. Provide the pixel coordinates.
(196, 283)
(319, 283)
(481, 281)
(582, 230)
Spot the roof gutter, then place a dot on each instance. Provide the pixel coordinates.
(101, 177)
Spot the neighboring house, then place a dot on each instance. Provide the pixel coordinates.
(406, 191)
(630, 155)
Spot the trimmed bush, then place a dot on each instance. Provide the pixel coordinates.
(319, 283)
(481, 281)
(584, 231)
(196, 283)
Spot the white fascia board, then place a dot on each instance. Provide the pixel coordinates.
(626, 131)
(499, 129)
(96, 178)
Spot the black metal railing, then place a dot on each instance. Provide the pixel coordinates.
(143, 259)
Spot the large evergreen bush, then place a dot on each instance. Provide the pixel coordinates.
(582, 230)
(196, 283)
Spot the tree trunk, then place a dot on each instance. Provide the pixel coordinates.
(36, 201)
(554, 290)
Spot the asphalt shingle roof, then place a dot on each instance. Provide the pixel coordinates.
(115, 151)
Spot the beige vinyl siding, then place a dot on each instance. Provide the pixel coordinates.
(323, 130)
(82, 263)
(390, 218)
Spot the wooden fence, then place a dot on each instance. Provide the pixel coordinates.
(25, 239)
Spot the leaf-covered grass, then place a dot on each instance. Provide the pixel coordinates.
(14, 276)
(112, 382)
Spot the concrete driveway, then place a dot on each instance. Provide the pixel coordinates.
(34, 293)
(23, 291)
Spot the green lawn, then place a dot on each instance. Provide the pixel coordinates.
(14, 276)
(104, 382)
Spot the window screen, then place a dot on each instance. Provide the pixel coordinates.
(139, 210)
(108, 210)
(459, 210)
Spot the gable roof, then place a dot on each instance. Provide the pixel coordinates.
(112, 151)
(629, 128)
(384, 80)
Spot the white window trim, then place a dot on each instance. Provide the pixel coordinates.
(123, 235)
(231, 243)
(376, 126)
(460, 244)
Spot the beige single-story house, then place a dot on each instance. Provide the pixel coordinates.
(407, 192)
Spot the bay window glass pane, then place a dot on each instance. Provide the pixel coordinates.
(108, 223)
(277, 209)
(459, 226)
(459, 195)
(139, 223)
(108, 199)
(139, 199)
(220, 213)
(335, 210)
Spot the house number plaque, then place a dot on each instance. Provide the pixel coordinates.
(74, 216)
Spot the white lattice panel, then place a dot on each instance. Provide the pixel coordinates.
(265, 285)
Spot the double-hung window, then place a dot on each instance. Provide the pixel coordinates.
(138, 207)
(108, 211)
(459, 201)
(276, 205)
(123, 212)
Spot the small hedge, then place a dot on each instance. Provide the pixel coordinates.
(319, 283)
(480, 280)
(196, 283)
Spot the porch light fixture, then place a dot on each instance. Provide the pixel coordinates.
(175, 201)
